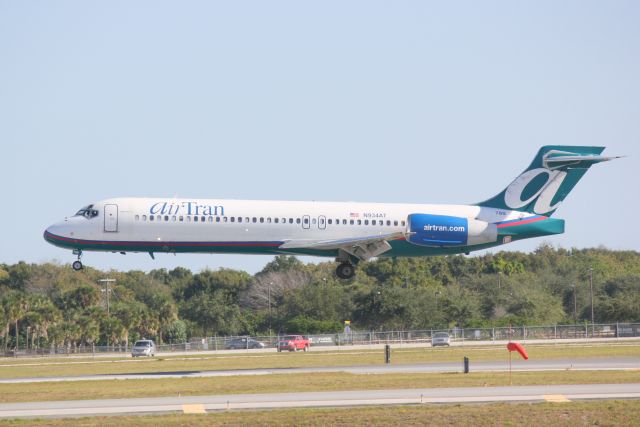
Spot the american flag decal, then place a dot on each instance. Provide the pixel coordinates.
(354, 215)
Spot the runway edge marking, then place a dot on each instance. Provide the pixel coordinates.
(193, 409)
(555, 398)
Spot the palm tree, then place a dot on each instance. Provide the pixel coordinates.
(15, 308)
(41, 314)
(166, 312)
(4, 332)
(111, 330)
(130, 315)
(89, 328)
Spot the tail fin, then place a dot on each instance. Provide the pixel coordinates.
(554, 172)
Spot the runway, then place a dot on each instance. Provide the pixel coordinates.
(203, 404)
(518, 365)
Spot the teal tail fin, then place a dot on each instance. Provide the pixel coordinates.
(554, 172)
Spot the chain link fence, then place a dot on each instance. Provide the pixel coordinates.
(458, 336)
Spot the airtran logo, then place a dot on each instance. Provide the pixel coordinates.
(541, 184)
(434, 227)
(186, 208)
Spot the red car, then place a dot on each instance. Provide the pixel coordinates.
(293, 343)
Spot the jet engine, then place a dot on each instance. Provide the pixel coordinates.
(444, 230)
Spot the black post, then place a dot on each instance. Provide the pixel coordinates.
(387, 354)
(466, 365)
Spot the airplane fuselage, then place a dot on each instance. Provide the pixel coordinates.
(255, 226)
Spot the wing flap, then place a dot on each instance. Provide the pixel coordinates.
(361, 247)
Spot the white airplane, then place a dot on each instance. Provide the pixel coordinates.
(349, 232)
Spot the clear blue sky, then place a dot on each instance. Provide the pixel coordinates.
(434, 102)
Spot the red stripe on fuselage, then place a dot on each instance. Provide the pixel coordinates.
(522, 222)
(156, 243)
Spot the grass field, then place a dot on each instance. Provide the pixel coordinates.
(17, 368)
(603, 413)
(111, 389)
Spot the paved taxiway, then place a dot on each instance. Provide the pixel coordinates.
(600, 364)
(202, 404)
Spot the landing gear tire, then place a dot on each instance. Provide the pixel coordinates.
(77, 265)
(346, 271)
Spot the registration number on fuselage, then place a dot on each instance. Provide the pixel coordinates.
(374, 215)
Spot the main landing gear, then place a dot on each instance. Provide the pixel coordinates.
(77, 265)
(345, 270)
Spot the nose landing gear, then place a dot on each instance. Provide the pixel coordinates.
(77, 265)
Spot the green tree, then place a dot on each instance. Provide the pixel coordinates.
(175, 332)
(130, 315)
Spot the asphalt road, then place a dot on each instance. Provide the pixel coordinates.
(203, 404)
(600, 364)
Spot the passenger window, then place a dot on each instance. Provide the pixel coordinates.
(297, 220)
(210, 219)
(181, 218)
(233, 219)
(276, 220)
(137, 217)
(366, 222)
(344, 222)
(217, 219)
(188, 218)
(150, 217)
(246, 219)
(290, 220)
(373, 222)
(269, 220)
(395, 222)
(239, 219)
(403, 223)
(306, 220)
(144, 217)
(225, 219)
(351, 222)
(329, 221)
(173, 218)
(284, 220)
(359, 222)
(261, 219)
(195, 219)
(313, 221)
(166, 218)
(388, 222)
(255, 219)
(202, 219)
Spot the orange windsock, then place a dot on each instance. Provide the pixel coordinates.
(516, 346)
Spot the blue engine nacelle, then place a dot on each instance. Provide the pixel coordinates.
(444, 230)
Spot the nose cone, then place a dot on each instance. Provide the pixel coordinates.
(55, 234)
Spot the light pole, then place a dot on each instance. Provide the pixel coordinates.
(575, 305)
(107, 291)
(269, 302)
(591, 290)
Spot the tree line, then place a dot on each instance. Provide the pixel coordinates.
(47, 305)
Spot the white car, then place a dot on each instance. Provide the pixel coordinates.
(440, 338)
(143, 348)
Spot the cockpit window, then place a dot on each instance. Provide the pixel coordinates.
(87, 212)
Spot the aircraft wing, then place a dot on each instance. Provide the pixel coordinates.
(361, 247)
